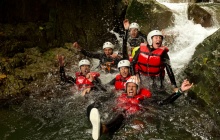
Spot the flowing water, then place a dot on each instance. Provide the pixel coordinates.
(63, 115)
(187, 35)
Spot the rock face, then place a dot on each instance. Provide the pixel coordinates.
(204, 70)
(213, 9)
(32, 72)
(199, 15)
(60, 21)
(50, 24)
(89, 22)
(149, 14)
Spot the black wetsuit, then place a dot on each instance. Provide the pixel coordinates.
(133, 42)
(102, 58)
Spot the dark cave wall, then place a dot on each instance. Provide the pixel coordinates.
(60, 21)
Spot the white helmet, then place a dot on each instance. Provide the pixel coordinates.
(84, 62)
(151, 34)
(108, 45)
(123, 63)
(133, 79)
(134, 25)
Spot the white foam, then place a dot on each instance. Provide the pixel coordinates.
(188, 36)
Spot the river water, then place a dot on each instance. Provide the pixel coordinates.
(63, 115)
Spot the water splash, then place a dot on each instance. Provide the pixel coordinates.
(187, 35)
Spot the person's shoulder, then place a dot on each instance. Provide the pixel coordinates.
(117, 76)
(77, 73)
(165, 49)
(145, 92)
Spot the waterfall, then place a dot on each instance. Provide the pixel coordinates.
(186, 34)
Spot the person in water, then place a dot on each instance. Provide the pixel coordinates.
(151, 60)
(128, 104)
(107, 60)
(124, 74)
(132, 36)
(84, 79)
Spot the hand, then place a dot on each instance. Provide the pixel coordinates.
(87, 90)
(76, 45)
(136, 79)
(89, 77)
(126, 24)
(60, 58)
(186, 85)
(114, 55)
(109, 66)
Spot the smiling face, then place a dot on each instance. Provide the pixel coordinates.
(108, 51)
(124, 71)
(157, 41)
(85, 69)
(131, 89)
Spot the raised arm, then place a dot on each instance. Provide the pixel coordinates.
(186, 85)
(86, 53)
(125, 39)
(63, 76)
(98, 85)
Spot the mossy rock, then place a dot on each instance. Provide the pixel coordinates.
(35, 69)
(204, 68)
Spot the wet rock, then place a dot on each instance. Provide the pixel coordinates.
(150, 15)
(204, 68)
(214, 10)
(33, 72)
(199, 15)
